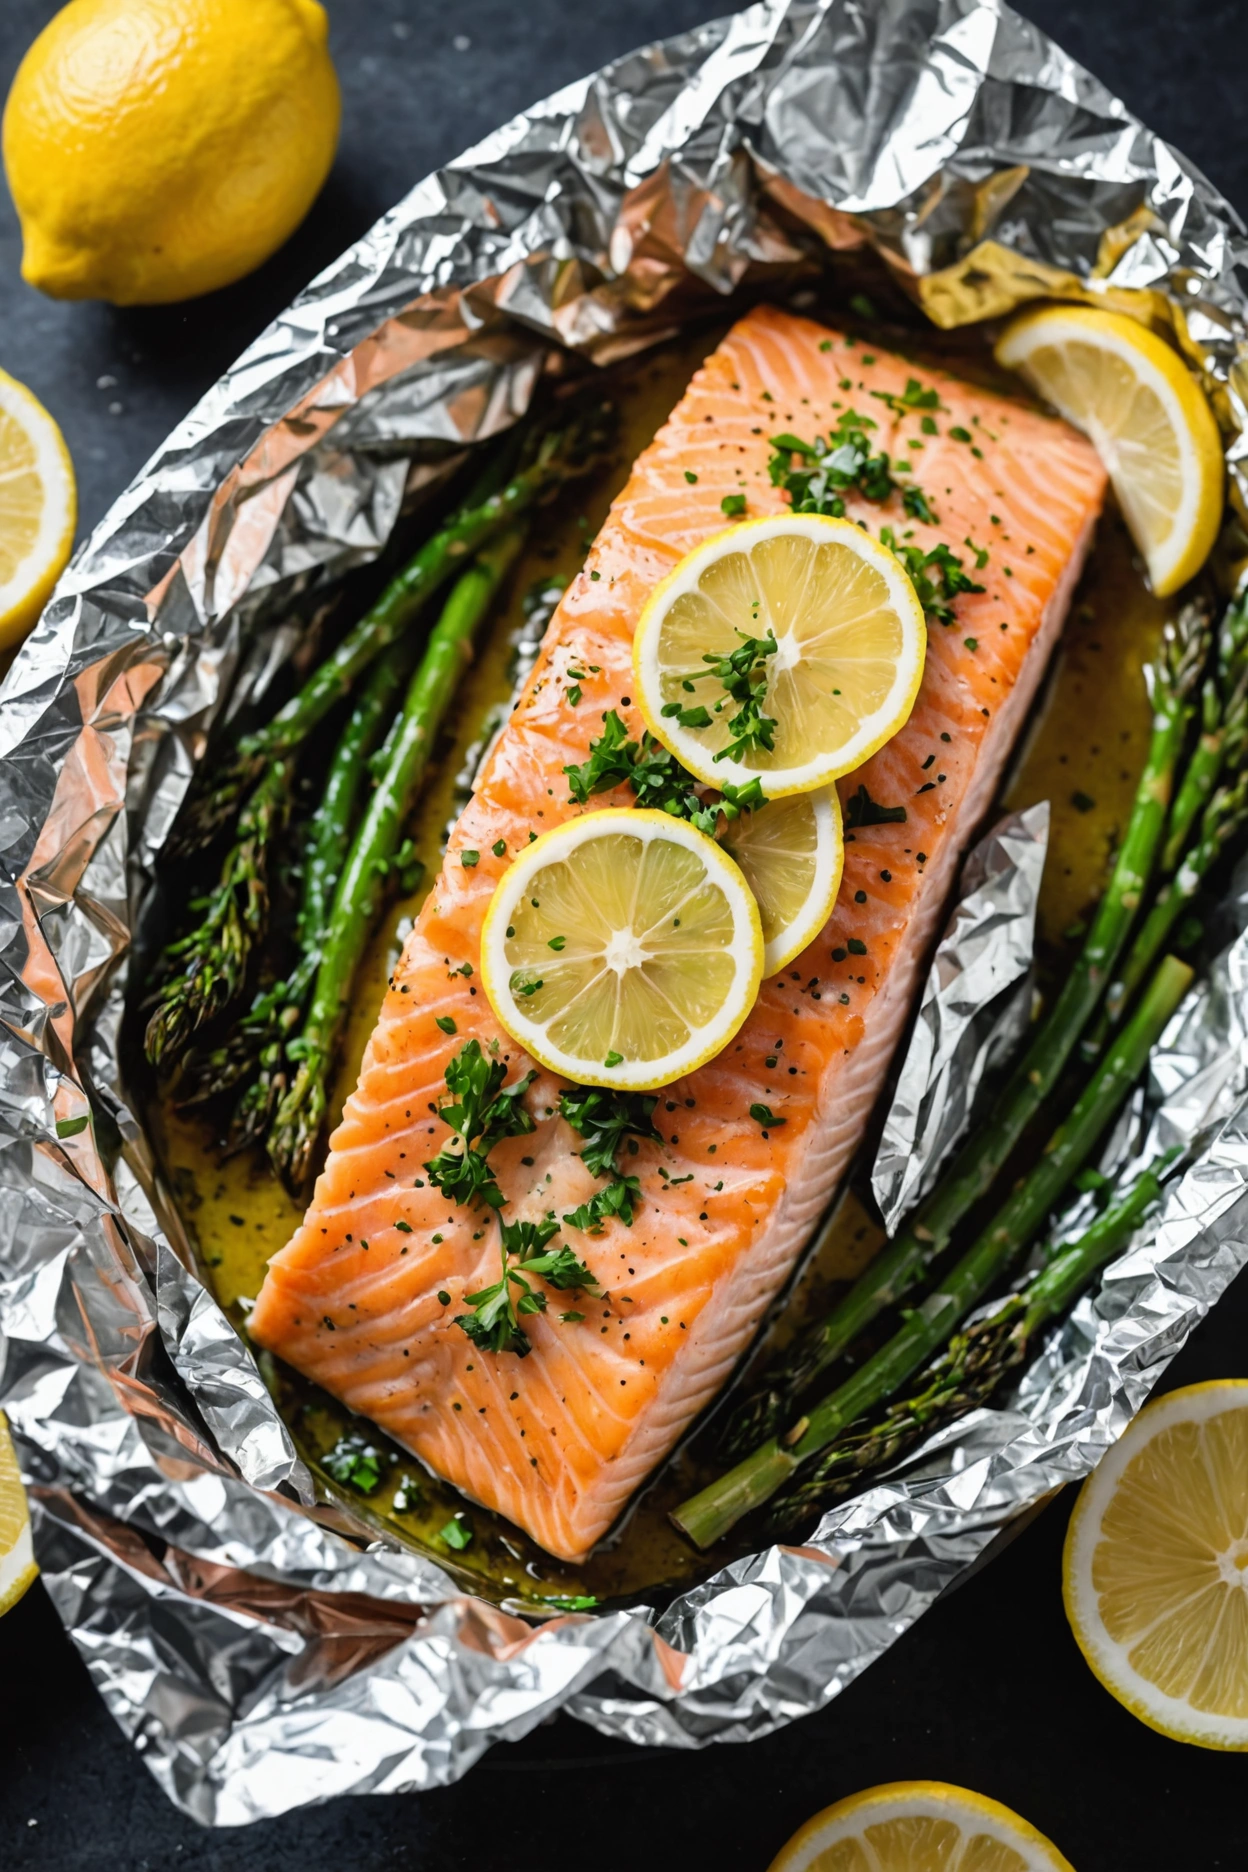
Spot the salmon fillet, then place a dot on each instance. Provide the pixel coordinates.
(558, 1441)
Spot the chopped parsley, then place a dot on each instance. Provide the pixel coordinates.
(732, 506)
(742, 675)
(605, 1119)
(494, 1322)
(763, 1115)
(657, 778)
(457, 1533)
(937, 576)
(481, 1112)
(356, 1461)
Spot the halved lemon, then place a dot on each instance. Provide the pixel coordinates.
(38, 509)
(622, 949)
(17, 1560)
(850, 643)
(1155, 1571)
(1148, 419)
(792, 854)
(918, 1826)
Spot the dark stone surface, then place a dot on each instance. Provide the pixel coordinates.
(989, 1689)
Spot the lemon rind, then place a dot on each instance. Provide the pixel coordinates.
(893, 1800)
(1203, 466)
(782, 783)
(24, 596)
(495, 971)
(1105, 1657)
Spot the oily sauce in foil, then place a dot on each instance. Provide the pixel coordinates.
(1082, 751)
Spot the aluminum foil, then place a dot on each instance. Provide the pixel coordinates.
(258, 1650)
(975, 1007)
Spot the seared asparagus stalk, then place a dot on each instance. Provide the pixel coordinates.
(254, 1047)
(208, 967)
(560, 453)
(928, 1233)
(707, 1516)
(374, 855)
(975, 1362)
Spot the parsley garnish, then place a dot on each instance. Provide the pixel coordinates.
(482, 1112)
(937, 576)
(831, 467)
(657, 778)
(457, 1533)
(567, 1602)
(742, 675)
(862, 810)
(494, 1323)
(605, 1119)
(356, 1461)
(763, 1115)
(913, 397)
(615, 1198)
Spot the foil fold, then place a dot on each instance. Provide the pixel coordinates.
(259, 1648)
(974, 1008)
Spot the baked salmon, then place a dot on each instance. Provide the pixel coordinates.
(364, 1298)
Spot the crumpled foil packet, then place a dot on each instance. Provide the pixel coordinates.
(257, 1654)
(975, 1007)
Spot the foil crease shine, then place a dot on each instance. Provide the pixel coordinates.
(975, 1007)
(257, 1649)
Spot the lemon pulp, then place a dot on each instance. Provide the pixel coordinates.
(17, 1563)
(623, 948)
(850, 642)
(1149, 421)
(38, 508)
(791, 855)
(1156, 1566)
(918, 1826)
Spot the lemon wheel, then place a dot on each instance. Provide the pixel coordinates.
(17, 1560)
(917, 1826)
(1156, 1566)
(849, 638)
(791, 853)
(38, 509)
(622, 949)
(1149, 421)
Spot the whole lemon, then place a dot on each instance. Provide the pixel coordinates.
(157, 149)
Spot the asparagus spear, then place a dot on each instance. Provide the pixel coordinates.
(561, 453)
(707, 1516)
(1216, 812)
(375, 849)
(255, 1045)
(1225, 815)
(928, 1232)
(1224, 727)
(210, 964)
(974, 1364)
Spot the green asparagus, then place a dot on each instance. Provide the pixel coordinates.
(254, 1050)
(560, 453)
(707, 1516)
(375, 850)
(208, 967)
(976, 1361)
(927, 1234)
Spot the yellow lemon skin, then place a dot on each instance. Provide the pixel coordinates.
(159, 149)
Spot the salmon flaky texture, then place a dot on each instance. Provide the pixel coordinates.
(559, 1440)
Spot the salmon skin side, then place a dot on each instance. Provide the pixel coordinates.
(559, 1440)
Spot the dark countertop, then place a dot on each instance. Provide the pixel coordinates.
(989, 1689)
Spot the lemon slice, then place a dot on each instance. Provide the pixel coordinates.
(918, 1826)
(1149, 421)
(1156, 1566)
(791, 853)
(17, 1560)
(38, 509)
(850, 642)
(622, 949)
